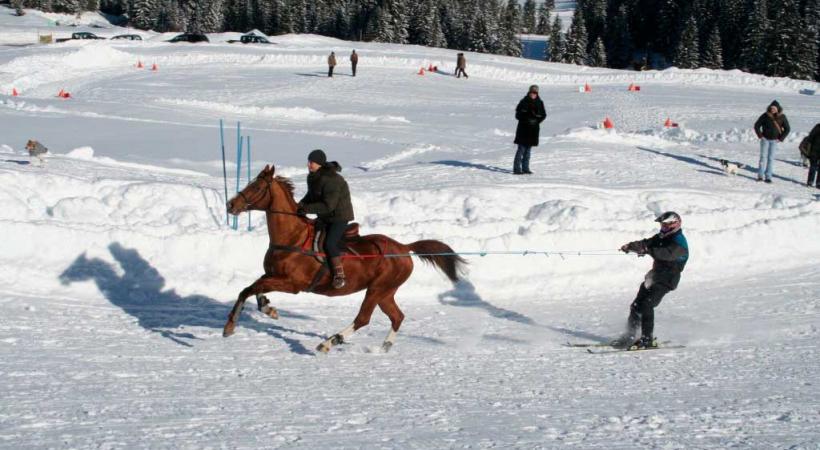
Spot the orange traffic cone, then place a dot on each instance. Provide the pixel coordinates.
(668, 123)
(154, 67)
(587, 87)
(421, 71)
(66, 95)
(631, 87)
(14, 92)
(60, 94)
(430, 68)
(139, 64)
(608, 124)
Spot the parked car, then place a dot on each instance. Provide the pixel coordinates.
(251, 38)
(128, 37)
(190, 37)
(80, 35)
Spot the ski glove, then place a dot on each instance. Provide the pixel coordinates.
(638, 247)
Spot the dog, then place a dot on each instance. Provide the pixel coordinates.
(730, 168)
(36, 150)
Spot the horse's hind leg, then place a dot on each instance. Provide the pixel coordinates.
(391, 309)
(263, 304)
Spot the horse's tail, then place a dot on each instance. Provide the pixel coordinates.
(440, 255)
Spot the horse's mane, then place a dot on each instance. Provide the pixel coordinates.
(287, 185)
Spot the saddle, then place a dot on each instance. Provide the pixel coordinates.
(317, 237)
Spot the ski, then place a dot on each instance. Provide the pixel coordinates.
(621, 350)
(598, 344)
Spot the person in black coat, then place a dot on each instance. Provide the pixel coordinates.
(814, 156)
(771, 127)
(328, 197)
(670, 252)
(530, 113)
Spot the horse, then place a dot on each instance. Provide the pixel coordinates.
(375, 263)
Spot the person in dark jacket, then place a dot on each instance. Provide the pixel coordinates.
(354, 61)
(772, 127)
(530, 113)
(328, 197)
(670, 252)
(814, 156)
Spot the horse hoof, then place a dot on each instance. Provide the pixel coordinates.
(324, 347)
(229, 328)
(271, 312)
(386, 347)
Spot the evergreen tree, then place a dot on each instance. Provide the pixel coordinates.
(576, 46)
(66, 6)
(712, 57)
(667, 30)
(597, 57)
(619, 51)
(730, 23)
(528, 23)
(425, 25)
(753, 55)
(810, 44)
(782, 50)
(687, 55)
(511, 23)
(543, 26)
(143, 14)
(556, 45)
(596, 19)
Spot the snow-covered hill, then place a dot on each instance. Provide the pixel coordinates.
(118, 269)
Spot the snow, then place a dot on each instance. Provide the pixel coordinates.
(118, 270)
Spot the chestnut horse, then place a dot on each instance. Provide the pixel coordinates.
(291, 266)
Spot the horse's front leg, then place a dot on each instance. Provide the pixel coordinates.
(260, 286)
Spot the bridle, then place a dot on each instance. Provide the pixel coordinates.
(268, 193)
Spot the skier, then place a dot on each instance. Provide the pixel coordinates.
(354, 61)
(813, 143)
(772, 127)
(530, 113)
(670, 253)
(331, 63)
(328, 196)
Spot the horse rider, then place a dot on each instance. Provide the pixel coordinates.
(328, 196)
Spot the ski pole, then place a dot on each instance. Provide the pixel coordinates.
(224, 172)
(249, 176)
(238, 167)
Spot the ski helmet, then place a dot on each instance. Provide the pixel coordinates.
(670, 222)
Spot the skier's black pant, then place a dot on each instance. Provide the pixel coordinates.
(334, 231)
(460, 72)
(354, 68)
(814, 171)
(330, 71)
(642, 310)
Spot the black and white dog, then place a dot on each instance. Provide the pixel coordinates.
(730, 168)
(36, 150)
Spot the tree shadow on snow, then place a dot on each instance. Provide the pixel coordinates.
(464, 295)
(139, 293)
(468, 165)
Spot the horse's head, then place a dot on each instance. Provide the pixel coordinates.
(257, 195)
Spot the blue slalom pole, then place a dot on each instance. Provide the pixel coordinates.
(224, 172)
(249, 176)
(238, 167)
